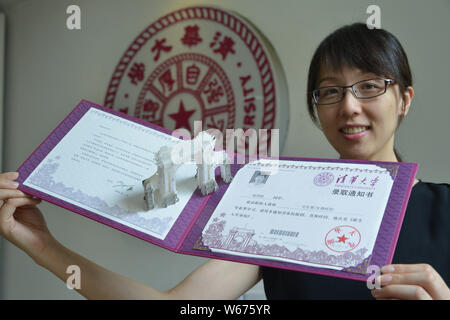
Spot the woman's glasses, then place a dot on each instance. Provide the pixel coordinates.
(364, 89)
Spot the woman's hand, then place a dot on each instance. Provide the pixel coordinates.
(411, 282)
(21, 222)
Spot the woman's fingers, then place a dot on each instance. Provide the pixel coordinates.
(402, 292)
(8, 184)
(7, 221)
(6, 194)
(8, 187)
(421, 275)
(404, 268)
(10, 206)
(9, 176)
(416, 278)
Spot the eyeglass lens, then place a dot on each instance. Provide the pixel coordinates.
(364, 89)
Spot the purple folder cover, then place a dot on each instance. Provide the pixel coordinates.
(186, 234)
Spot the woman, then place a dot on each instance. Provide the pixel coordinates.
(359, 90)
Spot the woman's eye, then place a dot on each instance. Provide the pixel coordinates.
(370, 86)
(330, 91)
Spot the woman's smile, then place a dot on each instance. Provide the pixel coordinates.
(356, 135)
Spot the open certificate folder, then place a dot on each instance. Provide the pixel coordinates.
(324, 216)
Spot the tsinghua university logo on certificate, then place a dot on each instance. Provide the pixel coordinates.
(202, 64)
(323, 179)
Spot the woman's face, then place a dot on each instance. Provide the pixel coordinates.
(259, 179)
(379, 114)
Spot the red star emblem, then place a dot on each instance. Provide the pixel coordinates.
(342, 239)
(182, 117)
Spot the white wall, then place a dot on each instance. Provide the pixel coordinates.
(2, 56)
(50, 69)
(2, 72)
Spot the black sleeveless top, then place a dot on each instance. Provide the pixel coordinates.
(424, 238)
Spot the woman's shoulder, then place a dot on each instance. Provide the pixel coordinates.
(434, 186)
(435, 192)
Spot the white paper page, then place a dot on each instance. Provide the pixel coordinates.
(326, 217)
(99, 166)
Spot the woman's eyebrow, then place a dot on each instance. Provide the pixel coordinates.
(327, 78)
(361, 74)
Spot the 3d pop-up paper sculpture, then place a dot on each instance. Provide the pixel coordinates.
(200, 151)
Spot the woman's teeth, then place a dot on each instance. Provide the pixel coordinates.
(354, 130)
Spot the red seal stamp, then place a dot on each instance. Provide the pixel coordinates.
(202, 64)
(342, 239)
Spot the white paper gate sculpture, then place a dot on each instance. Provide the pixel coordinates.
(200, 151)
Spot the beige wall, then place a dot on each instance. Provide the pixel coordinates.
(49, 69)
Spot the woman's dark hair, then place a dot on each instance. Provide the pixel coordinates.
(356, 46)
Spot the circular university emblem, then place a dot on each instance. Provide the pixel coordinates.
(323, 179)
(342, 239)
(202, 64)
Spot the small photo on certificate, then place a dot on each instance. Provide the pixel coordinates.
(259, 178)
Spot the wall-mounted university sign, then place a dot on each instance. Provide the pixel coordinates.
(202, 64)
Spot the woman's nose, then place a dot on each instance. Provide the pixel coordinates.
(350, 105)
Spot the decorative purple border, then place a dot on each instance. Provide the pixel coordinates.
(384, 245)
(187, 230)
(177, 231)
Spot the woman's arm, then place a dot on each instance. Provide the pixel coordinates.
(23, 224)
(215, 279)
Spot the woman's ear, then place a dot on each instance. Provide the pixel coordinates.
(408, 96)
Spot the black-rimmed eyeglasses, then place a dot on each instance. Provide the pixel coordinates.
(364, 89)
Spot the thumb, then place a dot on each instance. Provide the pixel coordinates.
(7, 210)
(6, 217)
(10, 206)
